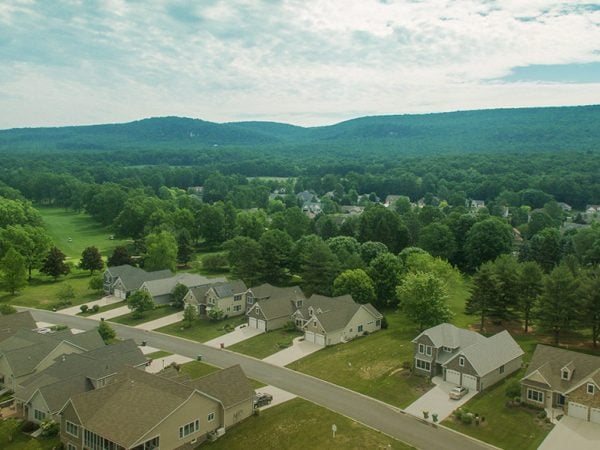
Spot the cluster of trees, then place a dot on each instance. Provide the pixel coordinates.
(560, 301)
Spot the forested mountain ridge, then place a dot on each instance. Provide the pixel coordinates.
(518, 130)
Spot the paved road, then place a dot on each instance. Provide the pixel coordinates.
(375, 414)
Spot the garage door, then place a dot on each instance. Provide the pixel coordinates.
(595, 415)
(452, 376)
(469, 381)
(261, 325)
(578, 410)
(252, 322)
(309, 336)
(120, 294)
(319, 339)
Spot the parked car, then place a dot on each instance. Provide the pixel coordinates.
(262, 399)
(458, 392)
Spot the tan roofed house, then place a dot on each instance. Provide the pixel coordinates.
(144, 411)
(162, 289)
(120, 281)
(228, 296)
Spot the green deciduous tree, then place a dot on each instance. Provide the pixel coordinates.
(276, 248)
(378, 223)
(120, 256)
(370, 250)
(96, 283)
(161, 251)
(14, 272)
(438, 240)
(185, 249)
(189, 316)
(483, 293)
(178, 294)
(245, 259)
(357, 283)
(423, 298)
(140, 302)
(91, 260)
(66, 293)
(33, 243)
(385, 270)
(589, 291)
(486, 240)
(107, 333)
(54, 265)
(545, 248)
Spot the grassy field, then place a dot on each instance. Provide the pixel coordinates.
(42, 291)
(102, 309)
(11, 438)
(202, 330)
(156, 313)
(504, 426)
(266, 344)
(298, 424)
(81, 228)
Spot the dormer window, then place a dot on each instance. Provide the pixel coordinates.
(461, 361)
(311, 311)
(564, 375)
(591, 388)
(447, 349)
(299, 304)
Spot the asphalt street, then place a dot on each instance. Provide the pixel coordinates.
(368, 411)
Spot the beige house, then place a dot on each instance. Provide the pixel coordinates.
(120, 281)
(28, 352)
(143, 411)
(43, 395)
(563, 379)
(228, 296)
(161, 290)
(270, 307)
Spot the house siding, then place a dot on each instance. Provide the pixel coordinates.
(361, 317)
(228, 302)
(467, 368)
(580, 395)
(7, 373)
(37, 402)
(239, 412)
(68, 414)
(547, 395)
(494, 376)
(425, 340)
(274, 324)
(162, 299)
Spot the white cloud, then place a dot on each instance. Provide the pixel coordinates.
(302, 61)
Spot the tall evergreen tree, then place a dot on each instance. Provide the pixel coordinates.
(483, 293)
(384, 270)
(185, 249)
(319, 268)
(529, 288)
(589, 290)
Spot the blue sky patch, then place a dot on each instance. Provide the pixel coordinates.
(557, 73)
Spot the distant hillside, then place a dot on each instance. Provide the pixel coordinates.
(526, 129)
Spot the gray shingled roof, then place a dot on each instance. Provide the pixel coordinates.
(550, 360)
(165, 286)
(267, 290)
(10, 323)
(276, 302)
(490, 353)
(448, 335)
(133, 277)
(333, 313)
(230, 386)
(230, 288)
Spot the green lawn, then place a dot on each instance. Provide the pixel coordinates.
(102, 309)
(510, 428)
(266, 344)
(197, 369)
(81, 228)
(11, 438)
(298, 424)
(41, 292)
(372, 365)
(158, 354)
(202, 330)
(156, 313)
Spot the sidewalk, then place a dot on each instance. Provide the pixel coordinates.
(241, 333)
(162, 363)
(111, 314)
(162, 322)
(299, 349)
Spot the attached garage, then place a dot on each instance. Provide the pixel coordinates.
(319, 339)
(253, 322)
(453, 376)
(309, 336)
(469, 381)
(578, 410)
(595, 415)
(120, 294)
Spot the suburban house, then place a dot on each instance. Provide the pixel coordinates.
(324, 320)
(120, 281)
(228, 296)
(464, 357)
(28, 352)
(161, 289)
(475, 205)
(43, 395)
(330, 321)
(11, 323)
(558, 378)
(390, 200)
(143, 411)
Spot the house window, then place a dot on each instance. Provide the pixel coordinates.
(591, 388)
(502, 368)
(72, 429)
(461, 361)
(428, 350)
(189, 428)
(535, 396)
(150, 444)
(378, 323)
(360, 328)
(447, 349)
(421, 349)
(71, 446)
(39, 415)
(299, 304)
(564, 375)
(237, 297)
(237, 307)
(423, 365)
(211, 417)
(249, 298)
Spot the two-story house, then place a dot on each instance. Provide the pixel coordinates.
(228, 296)
(120, 281)
(161, 290)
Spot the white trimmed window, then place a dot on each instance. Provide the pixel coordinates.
(237, 297)
(428, 350)
(502, 368)
(378, 323)
(447, 349)
(535, 396)
(591, 388)
(71, 446)
(237, 307)
(360, 328)
(189, 428)
(421, 349)
(72, 429)
(39, 415)
(564, 374)
(210, 417)
(423, 365)
(461, 361)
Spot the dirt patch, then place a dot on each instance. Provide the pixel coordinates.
(375, 371)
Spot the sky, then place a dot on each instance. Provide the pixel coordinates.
(306, 62)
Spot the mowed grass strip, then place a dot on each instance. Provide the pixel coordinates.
(102, 309)
(298, 424)
(266, 344)
(372, 365)
(197, 369)
(81, 228)
(202, 330)
(505, 427)
(158, 354)
(156, 313)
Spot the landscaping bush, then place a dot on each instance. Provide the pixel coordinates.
(426, 415)
(384, 323)
(407, 365)
(513, 389)
(283, 344)
(7, 309)
(29, 427)
(84, 308)
(95, 308)
(290, 325)
(466, 418)
(50, 428)
(542, 414)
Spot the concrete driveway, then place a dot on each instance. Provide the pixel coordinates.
(299, 349)
(279, 395)
(241, 333)
(570, 432)
(104, 301)
(162, 322)
(111, 314)
(437, 401)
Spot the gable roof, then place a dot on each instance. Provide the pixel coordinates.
(132, 278)
(165, 286)
(229, 288)
(275, 302)
(10, 323)
(230, 386)
(488, 354)
(333, 313)
(549, 361)
(448, 335)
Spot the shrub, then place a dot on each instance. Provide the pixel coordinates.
(290, 325)
(95, 308)
(426, 414)
(29, 427)
(49, 428)
(7, 309)
(406, 365)
(214, 263)
(513, 389)
(466, 418)
(84, 308)
(384, 323)
(542, 414)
